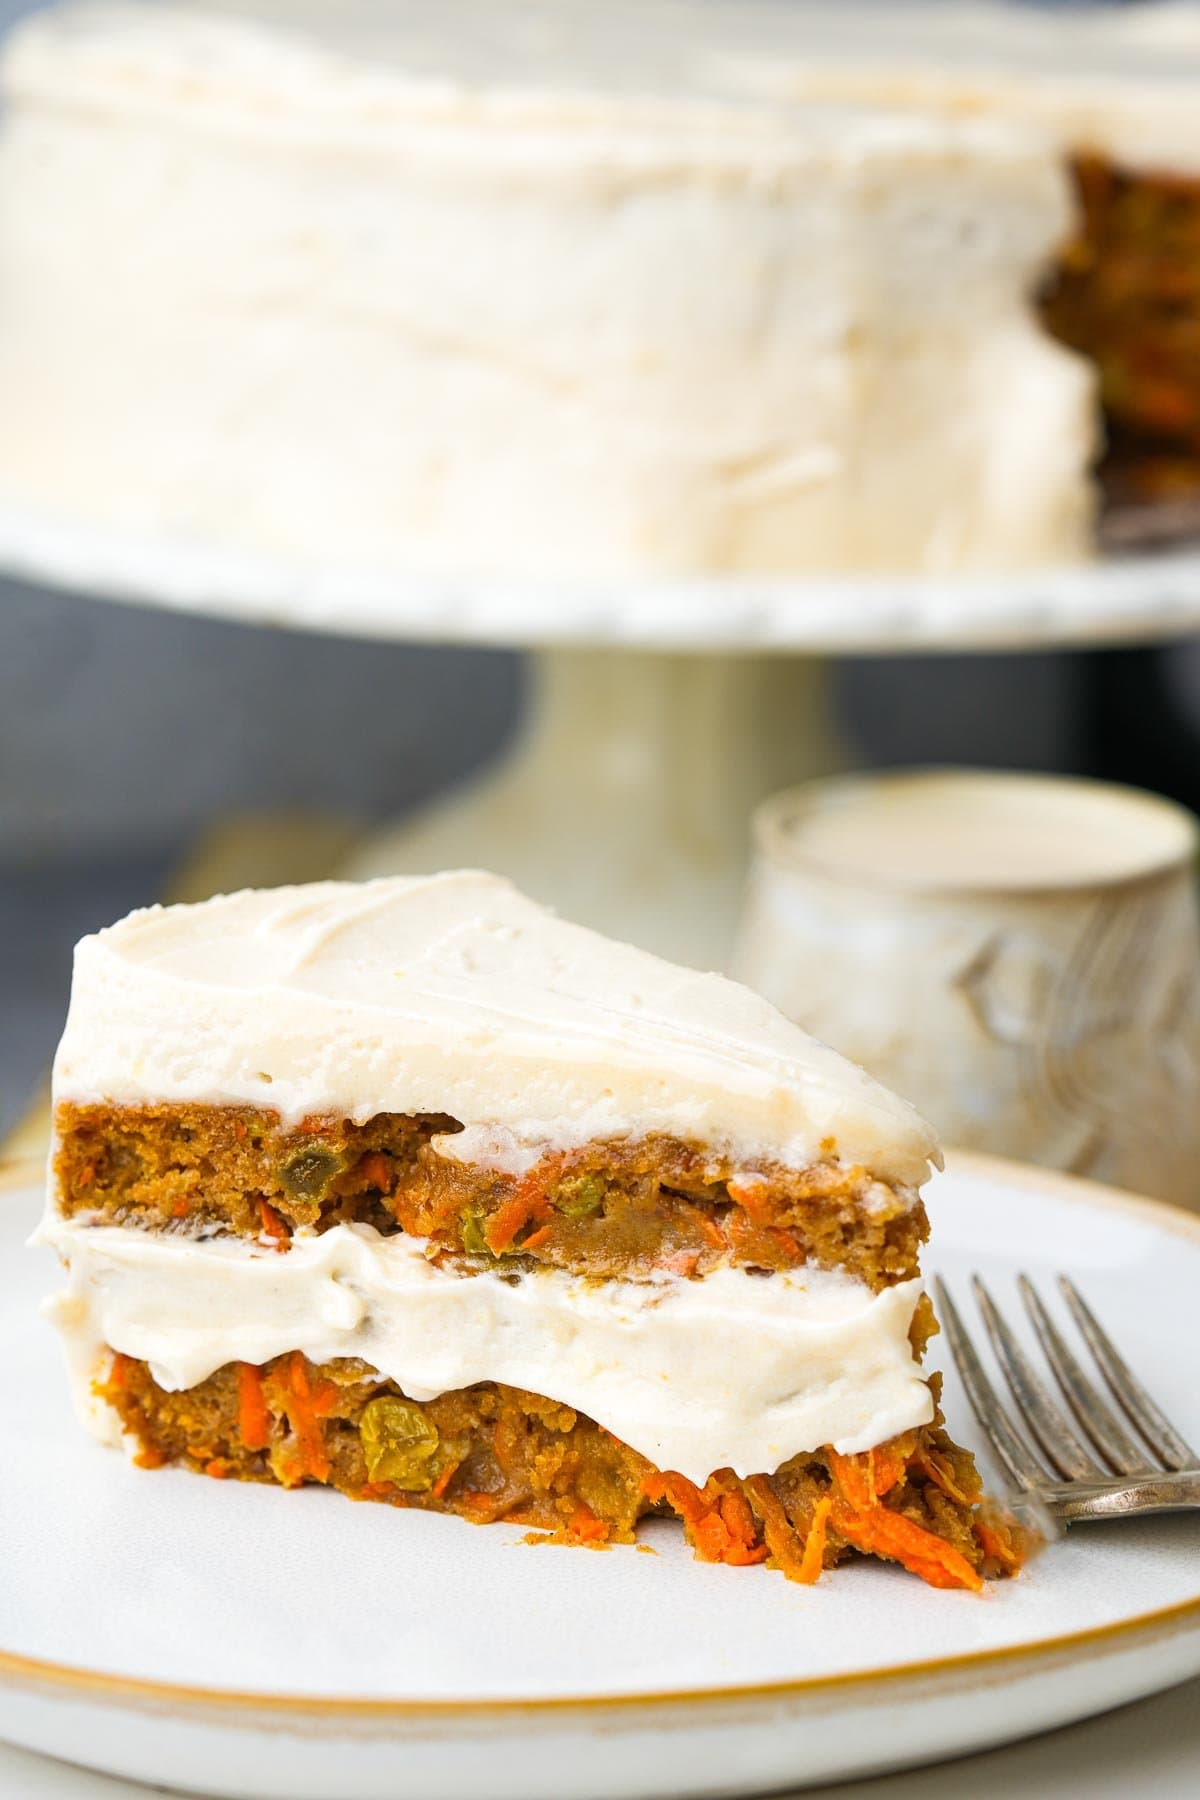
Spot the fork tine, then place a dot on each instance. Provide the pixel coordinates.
(1157, 1430)
(1094, 1415)
(1045, 1420)
(1023, 1467)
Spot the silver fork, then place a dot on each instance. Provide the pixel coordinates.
(1100, 1471)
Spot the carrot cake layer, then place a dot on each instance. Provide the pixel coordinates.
(492, 1453)
(1126, 293)
(424, 1152)
(620, 1208)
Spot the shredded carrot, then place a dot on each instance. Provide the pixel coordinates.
(477, 1502)
(538, 1237)
(870, 1526)
(744, 1546)
(882, 1532)
(777, 1527)
(119, 1372)
(444, 1479)
(525, 1205)
(273, 1226)
(939, 1471)
(181, 1208)
(87, 1174)
(586, 1526)
(711, 1229)
(888, 1463)
(750, 1195)
(813, 1559)
(378, 1171)
(853, 1476)
(254, 1420)
(306, 1407)
(218, 1468)
(739, 1520)
(716, 1535)
(149, 1458)
(239, 1130)
(996, 1542)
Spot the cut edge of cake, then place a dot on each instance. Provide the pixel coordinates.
(429, 1306)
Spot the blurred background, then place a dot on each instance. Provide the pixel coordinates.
(125, 732)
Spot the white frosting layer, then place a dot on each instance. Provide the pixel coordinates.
(734, 1371)
(455, 994)
(534, 289)
(1119, 80)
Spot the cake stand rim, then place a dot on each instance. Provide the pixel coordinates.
(1146, 597)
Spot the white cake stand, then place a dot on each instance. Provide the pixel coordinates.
(661, 712)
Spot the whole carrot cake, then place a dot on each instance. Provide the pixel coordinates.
(411, 1188)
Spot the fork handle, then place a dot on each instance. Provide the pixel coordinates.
(1077, 1501)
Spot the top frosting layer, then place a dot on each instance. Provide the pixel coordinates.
(454, 993)
(1116, 80)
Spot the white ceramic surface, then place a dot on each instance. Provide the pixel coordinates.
(1117, 599)
(244, 1641)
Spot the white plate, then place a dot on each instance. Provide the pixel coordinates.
(1113, 599)
(245, 1641)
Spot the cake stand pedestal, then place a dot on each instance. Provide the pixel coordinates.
(662, 711)
(627, 799)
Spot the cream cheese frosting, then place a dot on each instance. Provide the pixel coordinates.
(734, 1371)
(456, 994)
(556, 291)
(1118, 81)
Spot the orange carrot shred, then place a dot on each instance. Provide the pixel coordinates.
(711, 1229)
(378, 1171)
(750, 1196)
(813, 1559)
(254, 1420)
(444, 1479)
(273, 1226)
(938, 1469)
(538, 1237)
(853, 1476)
(181, 1208)
(478, 1502)
(996, 1542)
(526, 1204)
(882, 1532)
(778, 1530)
(586, 1526)
(306, 1406)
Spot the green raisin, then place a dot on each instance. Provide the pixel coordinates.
(399, 1442)
(581, 1196)
(309, 1174)
(471, 1224)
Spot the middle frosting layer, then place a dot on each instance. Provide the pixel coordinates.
(735, 1371)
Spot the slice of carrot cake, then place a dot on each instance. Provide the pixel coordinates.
(413, 1189)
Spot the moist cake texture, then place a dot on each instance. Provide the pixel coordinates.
(622, 1239)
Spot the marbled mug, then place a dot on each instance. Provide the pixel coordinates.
(1019, 955)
